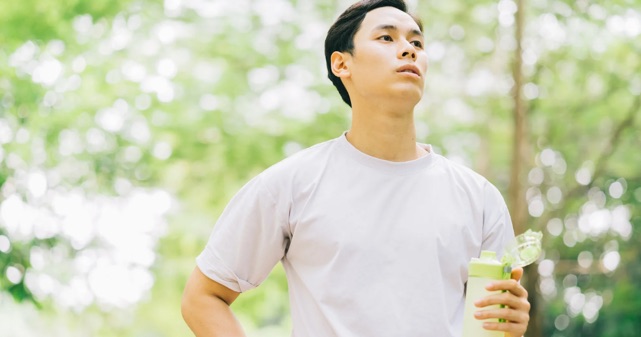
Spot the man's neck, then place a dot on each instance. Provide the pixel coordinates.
(384, 133)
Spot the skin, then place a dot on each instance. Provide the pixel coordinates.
(383, 101)
(205, 307)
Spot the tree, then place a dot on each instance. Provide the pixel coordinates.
(126, 122)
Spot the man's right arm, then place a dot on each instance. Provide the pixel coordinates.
(205, 307)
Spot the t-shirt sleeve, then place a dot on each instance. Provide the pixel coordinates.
(498, 231)
(249, 238)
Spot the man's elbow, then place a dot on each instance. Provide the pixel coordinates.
(185, 307)
(188, 306)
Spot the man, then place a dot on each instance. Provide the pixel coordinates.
(374, 230)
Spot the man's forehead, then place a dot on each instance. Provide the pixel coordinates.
(388, 16)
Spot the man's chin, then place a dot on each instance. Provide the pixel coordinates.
(413, 95)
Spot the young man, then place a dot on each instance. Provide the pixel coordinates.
(374, 230)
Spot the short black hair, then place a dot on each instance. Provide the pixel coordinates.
(340, 36)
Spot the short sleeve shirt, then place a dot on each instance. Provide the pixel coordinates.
(370, 247)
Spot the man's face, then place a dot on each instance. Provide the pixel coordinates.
(389, 59)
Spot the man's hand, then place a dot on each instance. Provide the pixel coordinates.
(516, 312)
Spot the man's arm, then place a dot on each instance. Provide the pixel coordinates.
(205, 307)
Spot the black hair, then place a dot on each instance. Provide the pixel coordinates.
(340, 36)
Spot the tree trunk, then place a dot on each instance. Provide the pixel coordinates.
(520, 165)
(518, 205)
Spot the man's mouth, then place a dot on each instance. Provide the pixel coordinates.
(409, 68)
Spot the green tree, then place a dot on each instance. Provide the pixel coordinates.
(125, 127)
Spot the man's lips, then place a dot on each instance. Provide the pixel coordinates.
(409, 68)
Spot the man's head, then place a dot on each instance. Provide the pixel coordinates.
(340, 37)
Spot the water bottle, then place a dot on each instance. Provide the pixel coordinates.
(481, 272)
(523, 251)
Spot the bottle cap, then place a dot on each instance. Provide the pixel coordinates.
(525, 249)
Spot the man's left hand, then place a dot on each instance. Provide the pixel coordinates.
(516, 310)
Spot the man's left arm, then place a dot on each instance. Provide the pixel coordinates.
(516, 310)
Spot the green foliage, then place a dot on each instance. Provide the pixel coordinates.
(42, 20)
(142, 97)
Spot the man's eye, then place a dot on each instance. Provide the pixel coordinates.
(385, 38)
(417, 44)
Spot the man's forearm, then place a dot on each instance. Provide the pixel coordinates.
(210, 316)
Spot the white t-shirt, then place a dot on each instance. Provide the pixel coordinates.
(370, 247)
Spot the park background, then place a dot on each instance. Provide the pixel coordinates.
(127, 125)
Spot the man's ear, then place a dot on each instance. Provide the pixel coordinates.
(340, 62)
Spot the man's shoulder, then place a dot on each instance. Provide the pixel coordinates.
(305, 157)
(472, 180)
(302, 163)
(461, 172)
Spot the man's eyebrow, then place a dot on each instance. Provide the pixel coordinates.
(394, 28)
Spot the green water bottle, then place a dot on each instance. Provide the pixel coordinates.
(481, 272)
(525, 249)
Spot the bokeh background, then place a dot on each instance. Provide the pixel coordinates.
(127, 125)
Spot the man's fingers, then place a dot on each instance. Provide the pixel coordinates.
(504, 326)
(506, 299)
(517, 273)
(509, 315)
(508, 285)
(515, 321)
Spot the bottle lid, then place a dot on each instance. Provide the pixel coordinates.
(525, 249)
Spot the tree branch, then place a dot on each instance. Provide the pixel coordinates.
(602, 160)
(609, 148)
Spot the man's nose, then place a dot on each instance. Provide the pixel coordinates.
(410, 54)
(408, 50)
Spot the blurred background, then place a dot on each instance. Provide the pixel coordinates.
(127, 125)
